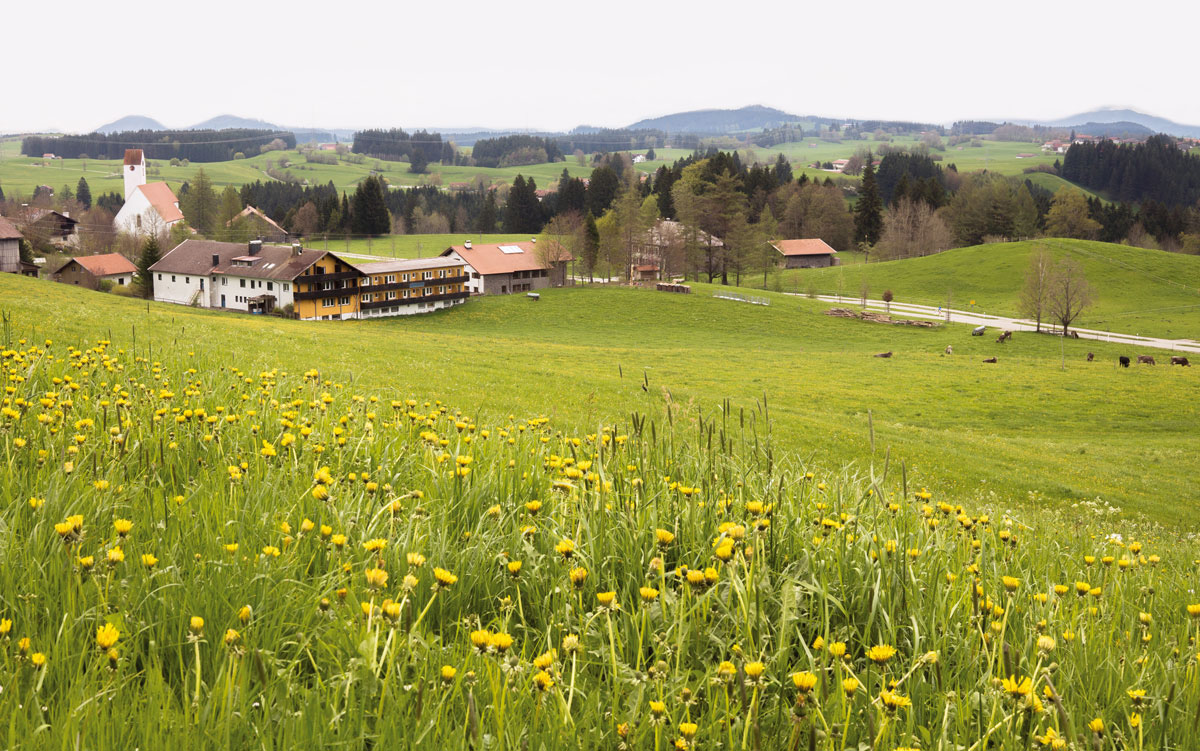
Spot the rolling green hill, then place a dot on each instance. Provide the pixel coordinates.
(1018, 433)
(1137, 291)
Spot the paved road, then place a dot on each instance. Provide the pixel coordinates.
(1014, 324)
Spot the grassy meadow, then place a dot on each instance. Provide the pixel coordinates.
(1137, 291)
(23, 174)
(609, 518)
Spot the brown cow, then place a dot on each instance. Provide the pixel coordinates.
(1090, 356)
(990, 359)
(1180, 361)
(884, 354)
(1147, 359)
(1005, 335)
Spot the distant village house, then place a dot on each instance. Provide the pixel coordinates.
(10, 251)
(90, 271)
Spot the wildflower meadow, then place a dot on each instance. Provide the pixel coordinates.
(201, 555)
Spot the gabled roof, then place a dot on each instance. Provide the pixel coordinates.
(106, 265)
(668, 231)
(133, 156)
(195, 257)
(504, 258)
(163, 200)
(813, 247)
(36, 215)
(251, 211)
(8, 231)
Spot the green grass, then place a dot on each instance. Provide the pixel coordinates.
(251, 514)
(1137, 291)
(579, 355)
(407, 246)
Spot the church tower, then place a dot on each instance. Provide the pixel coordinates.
(134, 171)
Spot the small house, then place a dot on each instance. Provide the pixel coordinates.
(806, 254)
(10, 251)
(90, 271)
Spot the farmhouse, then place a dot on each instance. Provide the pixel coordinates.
(90, 271)
(806, 254)
(150, 208)
(663, 246)
(319, 285)
(504, 268)
(10, 251)
(839, 165)
(643, 272)
(53, 227)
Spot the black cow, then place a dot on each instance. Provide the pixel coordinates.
(1124, 361)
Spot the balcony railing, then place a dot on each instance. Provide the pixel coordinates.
(413, 300)
(416, 284)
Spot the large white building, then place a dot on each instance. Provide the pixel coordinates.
(251, 277)
(150, 208)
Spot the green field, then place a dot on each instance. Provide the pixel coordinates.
(406, 246)
(23, 174)
(1023, 430)
(609, 518)
(1137, 291)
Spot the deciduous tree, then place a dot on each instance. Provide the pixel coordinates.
(1035, 292)
(1070, 293)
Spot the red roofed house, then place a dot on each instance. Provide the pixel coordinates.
(806, 254)
(150, 208)
(89, 271)
(504, 268)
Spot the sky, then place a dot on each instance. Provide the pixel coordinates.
(555, 65)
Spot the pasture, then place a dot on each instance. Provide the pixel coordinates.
(1023, 432)
(613, 517)
(1137, 291)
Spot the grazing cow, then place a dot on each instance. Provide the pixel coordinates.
(949, 349)
(1006, 335)
(1180, 361)
(1090, 356)
(990, 359)
(1124, 361)
(1145, 359)
(1074, 334)
(884, 354)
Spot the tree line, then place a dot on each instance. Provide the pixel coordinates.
(193, 145)
(1155, 170)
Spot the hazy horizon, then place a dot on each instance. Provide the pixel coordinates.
(546, 67)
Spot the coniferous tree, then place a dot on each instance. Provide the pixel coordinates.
(370, 212)
(1, 193)
(200, 204)
(487, 217)
(418, 163)
(782, 170)
(650, 155)
(591, 245)
(83, 194)
(149, 256)
(868, 213)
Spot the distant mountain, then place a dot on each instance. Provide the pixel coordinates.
(1109, 115)
(221, 122)
(755, 117)
(1122, 129)
(131, 122)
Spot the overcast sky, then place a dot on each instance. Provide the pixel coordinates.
(555, 65)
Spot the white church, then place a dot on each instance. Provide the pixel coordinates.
(150, 208)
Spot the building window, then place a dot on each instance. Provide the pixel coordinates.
(187, 280)
(318, 269)
(393, 295)
(442, 290)
(343, 301)
(428, 274)
(442, 274)
(287, 288)
(160, 277)
(365, 298)
(328, 302)
(391, 278)
(172, 277)
(270, 287)
(243, 281)
(326, 286)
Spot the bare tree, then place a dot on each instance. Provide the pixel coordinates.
(1070, 293)
(912, 228)
(1035, 295)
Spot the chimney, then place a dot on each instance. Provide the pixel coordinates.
(216, 260)
(467, 245)
(255, 247)
(297, 249)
